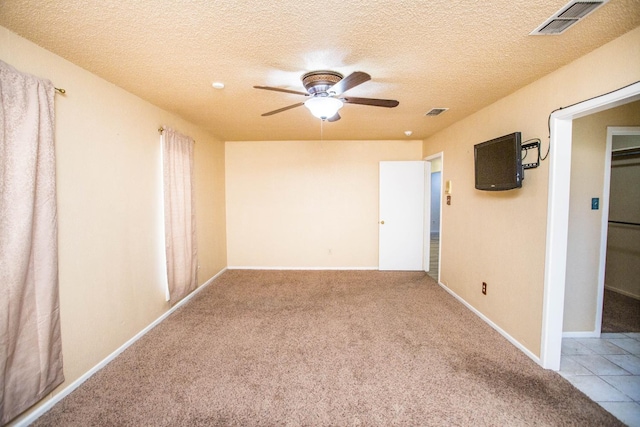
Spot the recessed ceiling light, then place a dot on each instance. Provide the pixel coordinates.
(217, 85)
(408, 132)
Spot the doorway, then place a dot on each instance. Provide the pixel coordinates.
(558, 215)
(621, 288)
(593, 192)
(433, 233)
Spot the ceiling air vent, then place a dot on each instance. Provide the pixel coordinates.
(435, 112)
(566, 17)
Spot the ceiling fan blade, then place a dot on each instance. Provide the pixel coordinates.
(388, 103)
(280, 110)
(335, 118)
(352, 80)
(277, 89)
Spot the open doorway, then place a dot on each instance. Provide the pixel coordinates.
(600, 184)
(558, 214)
(621, 296)
(435, 206)
(603, 259)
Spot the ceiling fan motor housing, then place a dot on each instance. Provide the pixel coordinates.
(320, 81)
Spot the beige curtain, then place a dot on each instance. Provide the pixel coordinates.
(30, 347)
(179, 214)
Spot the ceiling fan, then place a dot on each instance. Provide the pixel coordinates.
(325, 89)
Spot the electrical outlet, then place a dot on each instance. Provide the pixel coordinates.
(484, 288)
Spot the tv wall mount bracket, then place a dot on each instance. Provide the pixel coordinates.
(531, 146)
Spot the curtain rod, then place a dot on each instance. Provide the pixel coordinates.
(623, 152)
(624, 223)
(161, 129)
(62, 91)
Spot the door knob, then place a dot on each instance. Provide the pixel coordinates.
(382, 222)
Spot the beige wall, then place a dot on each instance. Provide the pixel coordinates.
(499, 238)
(109, 206)
(311, 204)
(584, 239)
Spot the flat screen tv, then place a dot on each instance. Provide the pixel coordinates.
(498, 163)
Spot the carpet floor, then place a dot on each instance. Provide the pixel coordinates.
(320, 348)
(620, 313)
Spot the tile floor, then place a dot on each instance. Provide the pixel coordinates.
(607, 369)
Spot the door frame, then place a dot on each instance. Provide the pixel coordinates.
(427, 231)
(426, 218)
(560, 122)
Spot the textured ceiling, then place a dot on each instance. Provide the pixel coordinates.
(459, 54)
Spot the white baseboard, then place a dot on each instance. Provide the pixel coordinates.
(622, 292)
(581, 334)
(74, 385)
(494, 326)
(250, 267)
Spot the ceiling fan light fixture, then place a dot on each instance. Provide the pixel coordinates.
(323, 107)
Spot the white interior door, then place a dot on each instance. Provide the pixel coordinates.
(402, 243)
